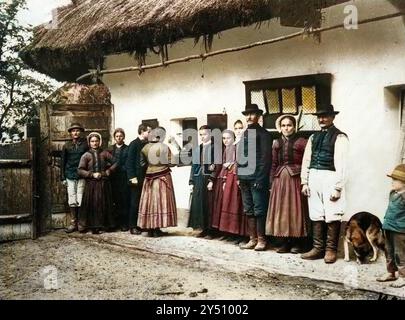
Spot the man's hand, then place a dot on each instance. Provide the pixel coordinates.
(210, 185)
(133, 181)
(107, 173)
(305, 190)
(335, 196)
(64, 182)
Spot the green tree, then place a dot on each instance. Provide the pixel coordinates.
(21, 89)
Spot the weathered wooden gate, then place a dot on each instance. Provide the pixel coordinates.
(91, 107)
(18, 191)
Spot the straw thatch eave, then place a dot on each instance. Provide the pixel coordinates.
(88, 30)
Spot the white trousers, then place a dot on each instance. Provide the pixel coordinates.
(321, 185)
(75, 190)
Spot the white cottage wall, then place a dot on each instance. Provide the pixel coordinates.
(362, 62)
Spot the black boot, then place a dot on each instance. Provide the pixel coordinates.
(318, 233)
(297, 245)
(285, 247)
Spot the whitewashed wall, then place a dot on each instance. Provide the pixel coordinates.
(363, 62)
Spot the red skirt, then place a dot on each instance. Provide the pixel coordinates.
(216, 203)
(287, 215)
(157, 208)
(232, 219)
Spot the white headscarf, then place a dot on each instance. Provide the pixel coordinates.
(94, 134)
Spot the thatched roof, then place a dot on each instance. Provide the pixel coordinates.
(88, 30)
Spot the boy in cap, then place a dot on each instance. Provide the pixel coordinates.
(394, 230)
(72, 151)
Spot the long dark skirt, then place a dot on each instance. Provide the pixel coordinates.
(120, 194)
(200, 204)
(232, 218)
(96, 210)
(157, 208)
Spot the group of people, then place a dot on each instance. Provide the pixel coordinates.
(293, 180)
(291, 188)
(118, 187)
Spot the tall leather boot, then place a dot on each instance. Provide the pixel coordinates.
(261, 236)
(332, 241)
(252, 225)
(318, 249)
(73, 220)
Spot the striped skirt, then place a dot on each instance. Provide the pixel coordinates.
(157, 208)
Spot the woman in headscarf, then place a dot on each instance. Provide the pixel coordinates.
(96, 165)
(287, 216)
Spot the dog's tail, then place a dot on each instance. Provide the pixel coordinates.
(381, 240)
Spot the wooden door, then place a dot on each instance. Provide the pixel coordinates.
(55, 120)
(18, 197)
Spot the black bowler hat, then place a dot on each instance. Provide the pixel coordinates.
(326, 109)
(252, 108)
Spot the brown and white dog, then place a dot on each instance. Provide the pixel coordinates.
(364, 232)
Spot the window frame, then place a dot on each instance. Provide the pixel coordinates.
(321, 81)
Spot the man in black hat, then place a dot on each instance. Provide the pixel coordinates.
(254, 163)
(72, 151)
(323, 177)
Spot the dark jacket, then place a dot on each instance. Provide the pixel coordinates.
(70, 158)
(120, 156)
(133, 163)
(394, 219)
(96, 161)
(202, 164)
(258, 170)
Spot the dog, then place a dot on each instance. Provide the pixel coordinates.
(364, 232)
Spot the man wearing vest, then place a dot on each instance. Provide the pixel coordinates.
(323, 176)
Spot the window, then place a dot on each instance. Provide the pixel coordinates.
(290, 95)
(153, 123)
(178, 126)
(217, 121)
(184, 131)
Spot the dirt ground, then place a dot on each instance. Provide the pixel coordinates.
(58, 266)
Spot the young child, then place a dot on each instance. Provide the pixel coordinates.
(394, 230)
(201, 170)
(119, 180)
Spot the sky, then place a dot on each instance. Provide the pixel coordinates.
(39, 11)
